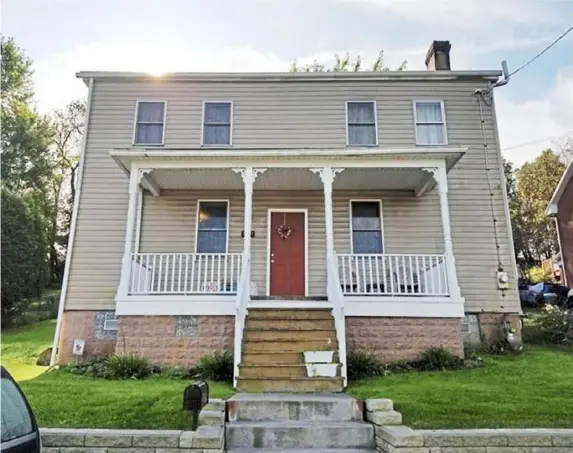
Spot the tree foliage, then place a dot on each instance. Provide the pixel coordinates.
(346, 64)
(530, 189)
(24, 249)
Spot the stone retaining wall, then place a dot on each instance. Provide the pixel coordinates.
(401, 439)
(207, 439)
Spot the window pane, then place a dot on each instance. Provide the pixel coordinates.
(216, 135)
(213, 215)
(217, 112)
(16, 421)
(428, 112)
(151, 134)
(361, 135)
(360, 112)
(211, 241)
(365, 216)
(430, 134)
(367, 242)
(150, 112)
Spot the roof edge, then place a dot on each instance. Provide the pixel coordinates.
(290, 76)
(552, 207)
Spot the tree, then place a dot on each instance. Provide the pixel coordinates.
(533, 232)
(68, 124)
(565, 147)
(345, 64)
(24, 248)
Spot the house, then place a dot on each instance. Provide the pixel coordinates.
(561, 209)
(364, 210)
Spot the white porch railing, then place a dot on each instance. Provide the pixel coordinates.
(393, 275)
(336, 297)
(185, 273)
(243, 296)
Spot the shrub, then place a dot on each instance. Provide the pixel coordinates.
(96, 367)
(360, 365)
(439, 358)
(217, 366)
(552, 326)
(179, 372)
(130, 366)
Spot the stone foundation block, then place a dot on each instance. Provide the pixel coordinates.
(485, 438)
(399, 436)
(508, 449)
(52, 437)
(205, 437)
(458, 450)
(83, 450)
(165, 439)
(442, 439)
(382, 418)
(564, 439)
(105, 438)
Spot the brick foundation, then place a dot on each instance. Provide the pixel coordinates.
(81, 325)
(155, 337)
(491, 326)
(393, 339)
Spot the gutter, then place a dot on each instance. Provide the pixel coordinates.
(74, 222)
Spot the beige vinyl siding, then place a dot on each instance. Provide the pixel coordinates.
(300, 115)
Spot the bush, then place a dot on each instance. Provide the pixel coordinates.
(95, 368)
(551, 326)
(360, 365)
(217, 366)
(438, 358)
(129, 366)
(179, 372)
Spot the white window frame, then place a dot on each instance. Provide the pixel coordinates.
(144, 101)
(443, 122)
(212, 200)
(365, 200)
(212, 101)
(356, 101)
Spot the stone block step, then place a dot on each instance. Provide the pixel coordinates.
(264, 358)
(290, 324)
(279, 313)
(284, 406)
(299, 345)
(290, 385)
(303, 450)
(290, 335)
(276, 371)
(299, 434)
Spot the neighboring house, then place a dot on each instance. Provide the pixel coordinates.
(202, 195)
(561, 209)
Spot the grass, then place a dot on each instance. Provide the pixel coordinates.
(531, 390)
(63, 400)
(22, 346)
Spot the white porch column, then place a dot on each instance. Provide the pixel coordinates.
(441, 178)
(327, 175)
(134, 179)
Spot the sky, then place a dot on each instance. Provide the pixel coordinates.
(535, 110)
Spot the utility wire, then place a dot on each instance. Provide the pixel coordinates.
(553, 137)
(542, 52)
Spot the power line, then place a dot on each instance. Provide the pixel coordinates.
(542, 52)
(553, 137)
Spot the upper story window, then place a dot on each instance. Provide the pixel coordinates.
(217, 123)
(150, 123)
(366, 225)
(362, 125)
(212, 226)
(430, 120)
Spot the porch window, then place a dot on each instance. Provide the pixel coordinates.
(366, 227)
(361, 124)
(149, 123)
(217, 123)
(430, 122)
(212, 226)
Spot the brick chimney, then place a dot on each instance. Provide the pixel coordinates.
(438, 56)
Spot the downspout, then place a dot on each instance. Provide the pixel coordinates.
(72, 235)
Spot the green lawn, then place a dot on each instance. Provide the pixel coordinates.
(534, 389)
(22, 346)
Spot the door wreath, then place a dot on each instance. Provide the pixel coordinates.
(284, 231)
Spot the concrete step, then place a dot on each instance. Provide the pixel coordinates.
(290, 324)
(275, 371)
(299, 434)
(284, 313)
(288, 334)
(289, 385)
(285, 406)
(299, 345)
(299, 298)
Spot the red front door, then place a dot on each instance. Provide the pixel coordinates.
(287, 254)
